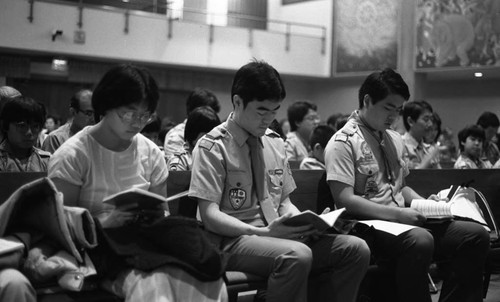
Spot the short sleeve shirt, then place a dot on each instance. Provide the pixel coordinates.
(353, 160)
(295, 148)
(311, 163)
(180, 161)
(100, 172)
(415, 152)
(222, 172)
(56, 138)
(37, 161)
(174, 140)
(465, 162)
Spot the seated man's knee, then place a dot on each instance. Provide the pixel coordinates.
(300, 254)
(357, 248)
(420, 242)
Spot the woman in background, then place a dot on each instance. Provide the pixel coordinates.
(113, 156)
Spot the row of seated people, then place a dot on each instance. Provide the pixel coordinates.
(242, 181)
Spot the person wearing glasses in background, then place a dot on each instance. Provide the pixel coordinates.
(303, 118)
(22, 120)
(81, 115)
(112, 156)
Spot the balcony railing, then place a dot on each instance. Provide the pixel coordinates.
(161, 9)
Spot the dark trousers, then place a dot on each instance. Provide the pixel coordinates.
(461, 246)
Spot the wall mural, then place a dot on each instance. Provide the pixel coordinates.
(366, 36)
(457, 33)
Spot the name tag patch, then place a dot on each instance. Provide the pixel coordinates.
(237, 198)
(276, 172)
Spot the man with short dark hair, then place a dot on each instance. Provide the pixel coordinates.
(242, 181)
(81, 115)
(366, 173)
(174, 139)
(417, 119)
(490, 123)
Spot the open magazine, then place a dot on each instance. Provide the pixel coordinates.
(139, 198)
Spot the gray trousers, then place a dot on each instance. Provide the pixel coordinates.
(336, 263)
(14, 286)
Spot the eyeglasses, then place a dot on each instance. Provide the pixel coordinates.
(23, 127)
(88, 113)
(132, 116)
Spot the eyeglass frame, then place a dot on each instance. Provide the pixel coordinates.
(130, 116)
(24, 126)
(87, 113)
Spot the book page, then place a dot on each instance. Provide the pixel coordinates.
(388, 226)
(332, 216)
(431, 208)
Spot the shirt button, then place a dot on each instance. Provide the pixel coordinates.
(238, 184)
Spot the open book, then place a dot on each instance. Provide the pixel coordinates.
(459, 207)
(432, 209)
(320, 222)
(139, 198)
(8, 245)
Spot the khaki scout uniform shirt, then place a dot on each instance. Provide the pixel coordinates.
(415, 152)
(37, 162)
(358, 162)
(222, 172)
(465, 162)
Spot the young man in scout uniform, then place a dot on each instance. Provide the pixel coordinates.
(366, 173)
(242, 181)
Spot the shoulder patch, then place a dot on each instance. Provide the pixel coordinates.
(341, 137)
(206, 144)
(349, 129)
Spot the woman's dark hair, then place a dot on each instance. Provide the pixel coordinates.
(124, 85)
(200, 120)
(297, 111)
(22, 109)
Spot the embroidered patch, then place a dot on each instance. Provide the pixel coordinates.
(275, 172)
(206, 144)
(237, 198)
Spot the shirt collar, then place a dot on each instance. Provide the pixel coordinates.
(239, 134)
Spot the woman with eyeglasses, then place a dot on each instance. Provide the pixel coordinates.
(112, 156)
(22, 120)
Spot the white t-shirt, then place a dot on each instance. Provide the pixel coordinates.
(100, 172)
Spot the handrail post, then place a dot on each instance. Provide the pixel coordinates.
(287, 36)
(211, 34)
(127, 15)
(323, 41)
(80, 14)
(30, 16)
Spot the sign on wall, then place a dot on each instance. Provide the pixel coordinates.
(457, 33)
(366, 36)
